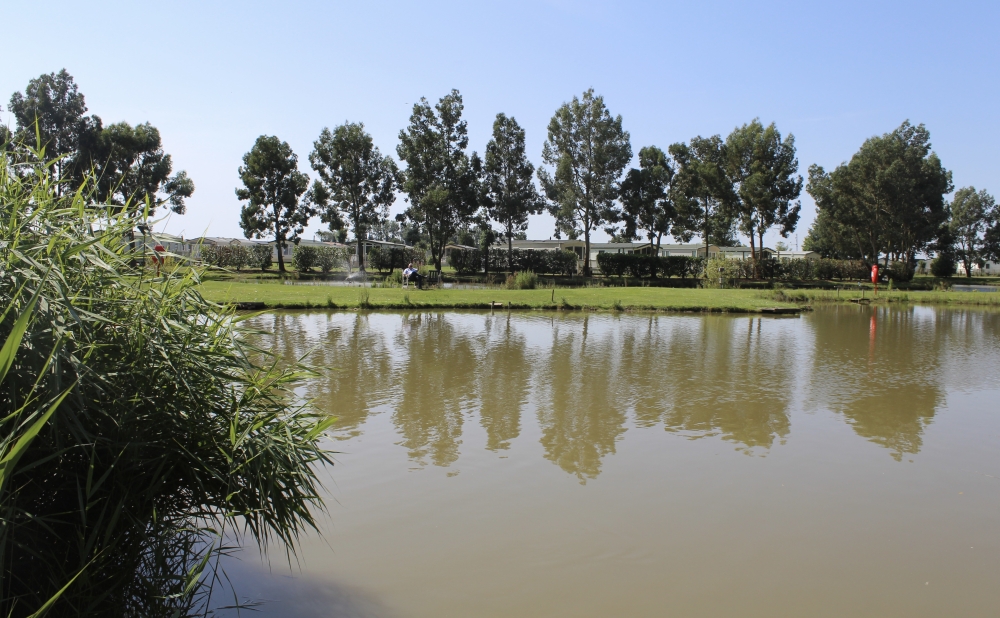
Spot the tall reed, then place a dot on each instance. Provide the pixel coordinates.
(137, 429)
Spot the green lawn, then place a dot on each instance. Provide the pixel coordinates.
(273, 294)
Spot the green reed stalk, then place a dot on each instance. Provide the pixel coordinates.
(138, 431)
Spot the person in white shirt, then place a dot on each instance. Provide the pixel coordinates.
(412, 274)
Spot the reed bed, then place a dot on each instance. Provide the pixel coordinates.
(140, 437)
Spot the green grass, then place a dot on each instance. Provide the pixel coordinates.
(275, 295)
(935, 297)
(608, 299)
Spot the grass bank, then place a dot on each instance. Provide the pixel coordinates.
(602, 299)
(928, 297)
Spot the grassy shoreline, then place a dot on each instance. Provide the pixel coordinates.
(276, 296)
(273, 295)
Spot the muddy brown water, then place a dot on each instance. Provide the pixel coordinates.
(841, 463)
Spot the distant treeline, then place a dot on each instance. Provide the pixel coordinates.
(886, 204)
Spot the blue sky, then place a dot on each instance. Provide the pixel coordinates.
(214, 76)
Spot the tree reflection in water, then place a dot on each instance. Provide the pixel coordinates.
(880, 369)
(578, 412)
(437, 382)
(720, 376)
(504, 382)
(586, 378)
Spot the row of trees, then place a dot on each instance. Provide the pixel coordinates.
(129, 167)
(888, 203)
(710, 186)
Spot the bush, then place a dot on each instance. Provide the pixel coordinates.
(679, 266)
(139, 437)
(327, 258)
(262, 255)
(537, 261)
(257, 255)
(943, 265)
(641, 265)
(725, 272)
(386, 260)
(899, 272)
(524, 280)
(562, 263)
(304, 257)
(466, 261)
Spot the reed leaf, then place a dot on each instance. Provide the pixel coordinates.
(138, 428)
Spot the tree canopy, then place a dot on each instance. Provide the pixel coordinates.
(701, 194)
(440, 180)
(588, 151)
(763, 172)
(972, 216)
(509, 193)
(889, 197)
(50, 115)
(647, 199)
(273, 186)
(134, 169)
(355, 181)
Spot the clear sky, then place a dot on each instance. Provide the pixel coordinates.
(212, 76)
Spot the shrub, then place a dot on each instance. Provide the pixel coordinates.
(304, 257)
(678, 266)
(139, 437)
(466, 261)
(943, 265)
(725, 272)
(261, 255)
(327, 258)
(561, 263)
(523, 280)
(386, 260)
(899, 272)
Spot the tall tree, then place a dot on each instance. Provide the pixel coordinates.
(701, 193)
(358, 183)
(273, 186)
(889, 196)
(133, 170)
(440, 180)
(763, 171)
(831, 239)
(647, 199)
(972, 215)
(51, 109)
(509, 193)
(588, 151)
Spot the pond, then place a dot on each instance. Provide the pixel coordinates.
(843, 462)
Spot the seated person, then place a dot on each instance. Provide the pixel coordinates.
(411, 274)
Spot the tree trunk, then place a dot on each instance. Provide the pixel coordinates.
(361, 254)
(278, 241)
(510, 252)
(753, 255)
(761, 237)
(655, 253)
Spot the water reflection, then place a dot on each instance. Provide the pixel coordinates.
(881, 369)
(437, 383)
(588, 379)
(578, 410)
(504, 382)
(731, 378)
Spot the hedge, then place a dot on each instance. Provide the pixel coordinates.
(385, 260)
(640, 265)
(470, 261)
